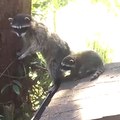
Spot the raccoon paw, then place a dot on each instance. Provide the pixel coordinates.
(18, 54)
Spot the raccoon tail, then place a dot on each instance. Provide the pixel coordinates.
(97, 73)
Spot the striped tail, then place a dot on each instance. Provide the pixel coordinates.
(97, 73)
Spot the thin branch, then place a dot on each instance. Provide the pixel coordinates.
(14, 77)
(7, 68)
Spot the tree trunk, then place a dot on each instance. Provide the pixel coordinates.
(9, 45)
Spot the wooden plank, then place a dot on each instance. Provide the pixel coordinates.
(85, 100)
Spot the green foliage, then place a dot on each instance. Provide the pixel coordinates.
(59, 3)
(42, 81)
(24, 112)
(31, 93)
(16, 89)
(102, 51)
(8, 112)
(15, 85)
(5, 87)
(41, 7)
(48, 4)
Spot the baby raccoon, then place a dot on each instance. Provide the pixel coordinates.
(37, 38)
(83, 64)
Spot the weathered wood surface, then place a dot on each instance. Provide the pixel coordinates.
(85, 100)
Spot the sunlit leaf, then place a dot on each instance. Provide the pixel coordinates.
(36, 5)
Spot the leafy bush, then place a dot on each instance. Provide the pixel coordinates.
(42, 81)
(104, 52)
(29, 87)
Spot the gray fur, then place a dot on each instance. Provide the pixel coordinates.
(83, 64)
(37, 38)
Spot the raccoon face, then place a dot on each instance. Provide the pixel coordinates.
(68, 63)
(20, 24)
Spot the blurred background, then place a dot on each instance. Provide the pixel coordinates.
(81, 22)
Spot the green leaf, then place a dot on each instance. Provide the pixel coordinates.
(17, 83)
(1, 116)
(16, 89)
(5, 87)
(36, 5)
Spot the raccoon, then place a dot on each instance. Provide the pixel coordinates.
(83, 64)
(37, 38)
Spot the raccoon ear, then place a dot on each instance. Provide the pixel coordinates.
(27, 18)
(10, 19)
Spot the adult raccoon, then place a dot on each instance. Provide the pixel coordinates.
(83, 64)
(36, 37)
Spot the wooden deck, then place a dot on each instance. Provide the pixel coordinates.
(85, 100)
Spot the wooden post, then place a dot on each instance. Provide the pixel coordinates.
(9, 45)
